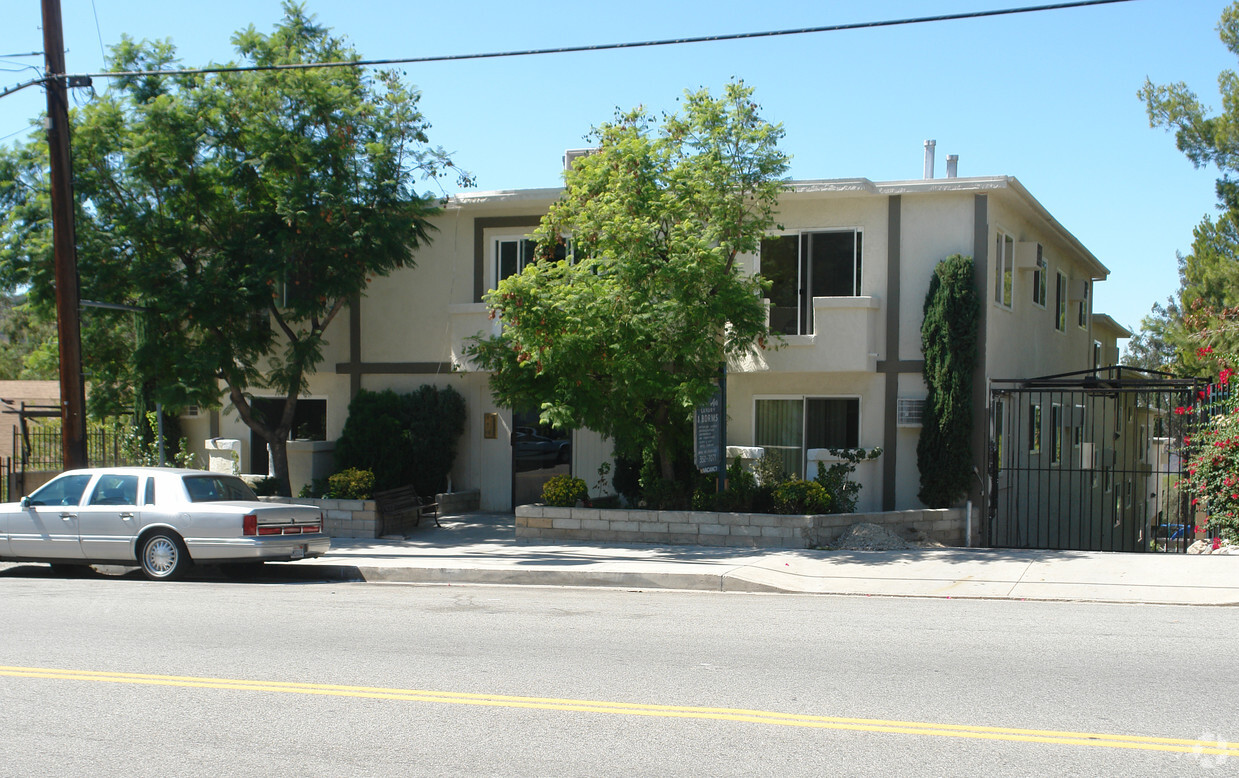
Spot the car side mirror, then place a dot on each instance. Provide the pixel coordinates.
(25, 501)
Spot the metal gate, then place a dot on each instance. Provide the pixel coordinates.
(1090, 461)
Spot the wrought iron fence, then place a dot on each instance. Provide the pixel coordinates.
(1090, 461)
(41, 448)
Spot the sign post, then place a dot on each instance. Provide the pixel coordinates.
(710, 434)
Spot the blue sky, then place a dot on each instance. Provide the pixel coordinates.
(1049, 97)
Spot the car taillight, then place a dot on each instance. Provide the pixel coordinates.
(249, 525)
(269, 530)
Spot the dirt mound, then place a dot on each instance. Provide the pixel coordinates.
(870, 537)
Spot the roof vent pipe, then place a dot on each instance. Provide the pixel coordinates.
(929, 158)
(952, 165)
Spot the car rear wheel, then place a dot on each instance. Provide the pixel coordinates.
(163, 557)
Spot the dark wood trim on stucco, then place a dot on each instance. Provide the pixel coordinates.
(354, 345)
(892, 364)
(980, 388)
(479, 245)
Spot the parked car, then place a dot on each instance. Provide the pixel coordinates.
(161, 519)
(531, 450)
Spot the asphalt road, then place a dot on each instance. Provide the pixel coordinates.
(119, 676)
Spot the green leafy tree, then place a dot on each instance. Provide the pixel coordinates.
(24, 338)
(241, 210)
(627, 336)
(949, 340)
(1209, 275)
(1153, 347)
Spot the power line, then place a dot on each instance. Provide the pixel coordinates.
(613, 46)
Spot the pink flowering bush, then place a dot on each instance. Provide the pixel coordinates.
(1212, 466)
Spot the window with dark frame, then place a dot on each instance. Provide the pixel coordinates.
(1060, 302)
(824, 263)
(1034, 428)
(1039, 278)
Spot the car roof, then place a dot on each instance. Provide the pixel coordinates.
(141, 471)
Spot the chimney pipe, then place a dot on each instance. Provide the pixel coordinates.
(929, 158)
(952, 165)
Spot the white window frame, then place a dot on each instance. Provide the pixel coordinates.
(495, 242)
(802, 399)
(1082, 316)
(1004, 268)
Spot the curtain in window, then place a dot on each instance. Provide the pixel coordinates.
(780, 430)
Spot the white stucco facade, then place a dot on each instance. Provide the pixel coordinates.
(853, 355)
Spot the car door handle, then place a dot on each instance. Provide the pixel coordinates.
(126, 517)
(68, 516)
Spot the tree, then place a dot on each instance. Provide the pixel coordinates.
(628, 334)
(1209, 275)
(240, 210)
(1152, 348)
(949, 340)
(24, 343)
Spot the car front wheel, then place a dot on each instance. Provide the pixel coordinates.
(163, 557)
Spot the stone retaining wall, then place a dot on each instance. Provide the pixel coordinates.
(701, 528)
(359, 518)
(343, 518)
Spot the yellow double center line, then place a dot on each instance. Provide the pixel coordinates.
(1178, 745)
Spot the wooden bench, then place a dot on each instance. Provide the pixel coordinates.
(401, 509)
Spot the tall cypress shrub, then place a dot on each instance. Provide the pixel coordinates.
(404, 439)
(949, 341)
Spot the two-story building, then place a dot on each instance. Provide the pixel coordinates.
(850, 270)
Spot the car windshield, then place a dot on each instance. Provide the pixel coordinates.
(217, 488)
(66, 490)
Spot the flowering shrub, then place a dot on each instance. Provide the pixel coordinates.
(1212, 464)
(563, 491)
(350, 484)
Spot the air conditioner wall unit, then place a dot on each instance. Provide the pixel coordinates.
(1029, 255)
(910, 412)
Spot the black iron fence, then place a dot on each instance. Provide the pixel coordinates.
(1091, 461)
(42, 448)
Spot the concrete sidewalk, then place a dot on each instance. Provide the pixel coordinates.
(482, 548)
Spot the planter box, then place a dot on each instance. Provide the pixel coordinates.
(701, 528)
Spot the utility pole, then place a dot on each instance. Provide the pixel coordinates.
(64, 242)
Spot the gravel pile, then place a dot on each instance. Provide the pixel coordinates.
(870, 537)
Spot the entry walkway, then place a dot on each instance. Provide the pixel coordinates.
(482, 548)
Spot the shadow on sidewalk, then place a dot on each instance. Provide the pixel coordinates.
(497, 531)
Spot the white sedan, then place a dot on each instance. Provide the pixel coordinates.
(162, 519)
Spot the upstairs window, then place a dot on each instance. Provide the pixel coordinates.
(810, 264)
(1004, 269)
(1039, 279)
(1082, 313)
(1060, 302)
(512, 255)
